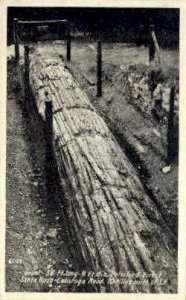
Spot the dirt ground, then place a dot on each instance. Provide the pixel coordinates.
(142, 139)
(36, 238)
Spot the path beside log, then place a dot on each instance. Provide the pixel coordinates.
(116, 225)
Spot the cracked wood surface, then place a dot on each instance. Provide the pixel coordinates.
(116, 225)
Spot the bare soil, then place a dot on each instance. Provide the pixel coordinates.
(36, 236)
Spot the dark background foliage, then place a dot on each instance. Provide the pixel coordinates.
(110, 24)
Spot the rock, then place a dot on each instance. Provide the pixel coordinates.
(166, 169)
(158, 92)
(130, 79)
(110, 99)
(166, 96)
(52, 233)
(156, 132)
(136, 86)
(39, 233)
(135, 95)
(65, 261)
(140, 148)
(49, 266)
(143, 81)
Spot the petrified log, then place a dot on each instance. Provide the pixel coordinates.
(117, 226)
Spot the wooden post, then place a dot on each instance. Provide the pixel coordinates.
(16, 42)
(99, 69)
(27, 63)
(48, 146)
(26, 74)
(68, 42)
(151, 44)
(48, 129)
(170, 129)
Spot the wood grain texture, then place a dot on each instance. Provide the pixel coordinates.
(116, 225)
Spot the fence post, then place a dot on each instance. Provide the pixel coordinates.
(48, 129)
(99, 69)
(26, 73)
(27, 63)
(16, 42)
(170, 129)
(68, 42)
(151, 44)
(48, 144)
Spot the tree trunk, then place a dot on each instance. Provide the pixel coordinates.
(116, 225)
